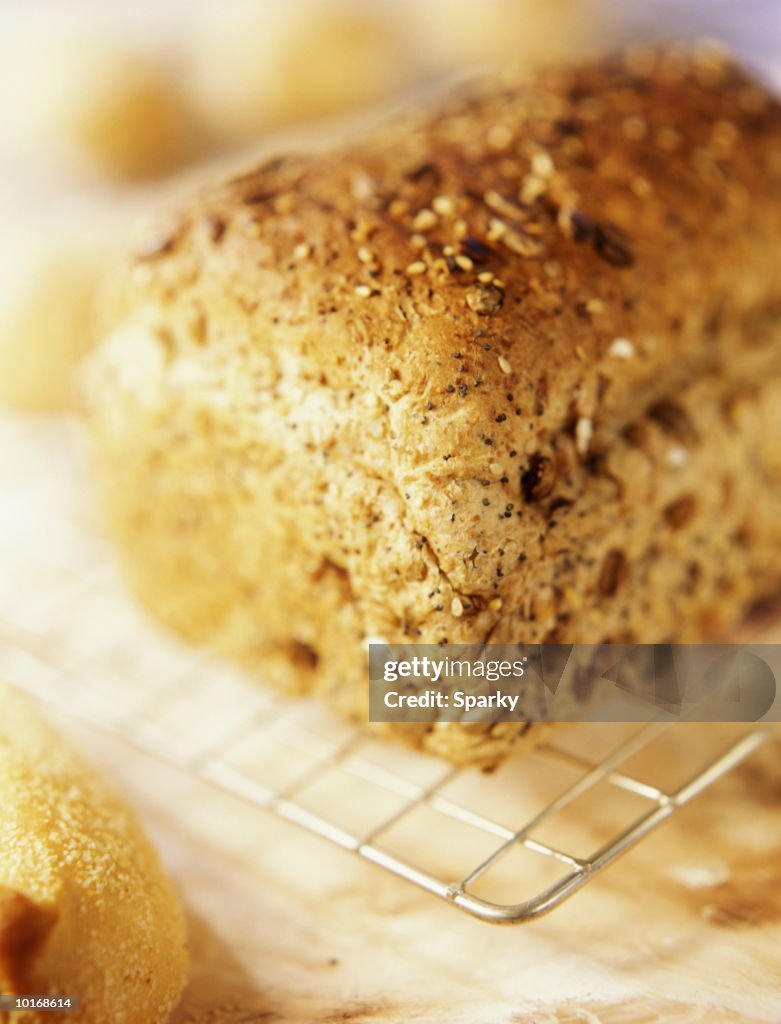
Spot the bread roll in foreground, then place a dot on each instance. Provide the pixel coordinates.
(85, 908)
(505, 370)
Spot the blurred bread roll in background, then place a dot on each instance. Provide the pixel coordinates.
(97, 108)
(453, 34)
(124, 110)
(53, 256)
(257, 64)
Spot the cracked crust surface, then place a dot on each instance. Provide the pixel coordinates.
(85, 908)
(502, 370)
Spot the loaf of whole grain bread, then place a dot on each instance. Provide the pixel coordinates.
(507, 369)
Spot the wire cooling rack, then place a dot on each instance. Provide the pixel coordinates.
(505, 847)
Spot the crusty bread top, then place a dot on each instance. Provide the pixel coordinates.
(526, 262)
(521, 221)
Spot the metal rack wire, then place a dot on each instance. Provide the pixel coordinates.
(505, 848)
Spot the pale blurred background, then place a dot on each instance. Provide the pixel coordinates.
(106, 106)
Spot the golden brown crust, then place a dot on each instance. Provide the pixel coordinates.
(85, 907)
(476, 376)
